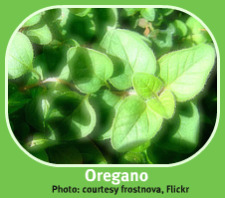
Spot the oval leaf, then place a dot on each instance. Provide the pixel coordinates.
(33, 20)
(133, 53)
(148, 13)
(81, 12)
(181, 28)
(164, 105)
(71, 116)
(40, 34)
(146, 85)
(19, 56)
(184, 130)
(84, 118)
(90, 69)
(186, 71)
(105, 103)
(131, 11)
(134, 124)
(198, 32)
(64, 154)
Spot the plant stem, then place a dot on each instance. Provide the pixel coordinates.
(147, 158)
(52, 79)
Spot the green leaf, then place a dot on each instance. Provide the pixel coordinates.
(33, 20)
(105, 18)
(120, 44)
(71, 116)
(198, 32)
(42, 155)
(90, 69)
(186, 71)
(64, 154)
(81, 28)
(63, 17)
(19, 56)
(81, 12)
(194, 25)
(65, 73)
(63, 103)
(166, 11)
(39, 34)
(164, 104)
(181, 28)
(54, 61)
(39, 142)
(134, 124)
(16, 101)
(131, 11)
(90, 152)
(148, 13)
(36, 112)
(184, 130)
(146, 85)
(163, 39)
(134, 158)
(36, 74)
(84, 118)
(142, 147)
(106, 103)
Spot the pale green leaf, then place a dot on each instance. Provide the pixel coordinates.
(45, 107)
(146, 85)
(81, 12)
(148, 13)
(63, 17)
(37, 73)
(134, 158)
(39, 34)
(65, 73)
(181, 28)
(130, 54)
(142, 147)
(134, 124)
(198, 31)
(194, 25)
(131, 11)
(33, 20)
(39, 142)
(90, 69)
(185, 72)
(19, 56)
(164, 104)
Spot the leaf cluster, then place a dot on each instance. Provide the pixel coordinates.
(107, 85)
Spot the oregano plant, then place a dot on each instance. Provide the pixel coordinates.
(107, 85)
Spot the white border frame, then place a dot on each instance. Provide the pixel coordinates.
(114, 165)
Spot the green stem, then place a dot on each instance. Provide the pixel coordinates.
(107, 85)
(147, 158)
(48, 80)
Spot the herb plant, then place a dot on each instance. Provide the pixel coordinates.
(107, 85)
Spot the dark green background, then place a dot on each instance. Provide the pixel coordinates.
(21, 176)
